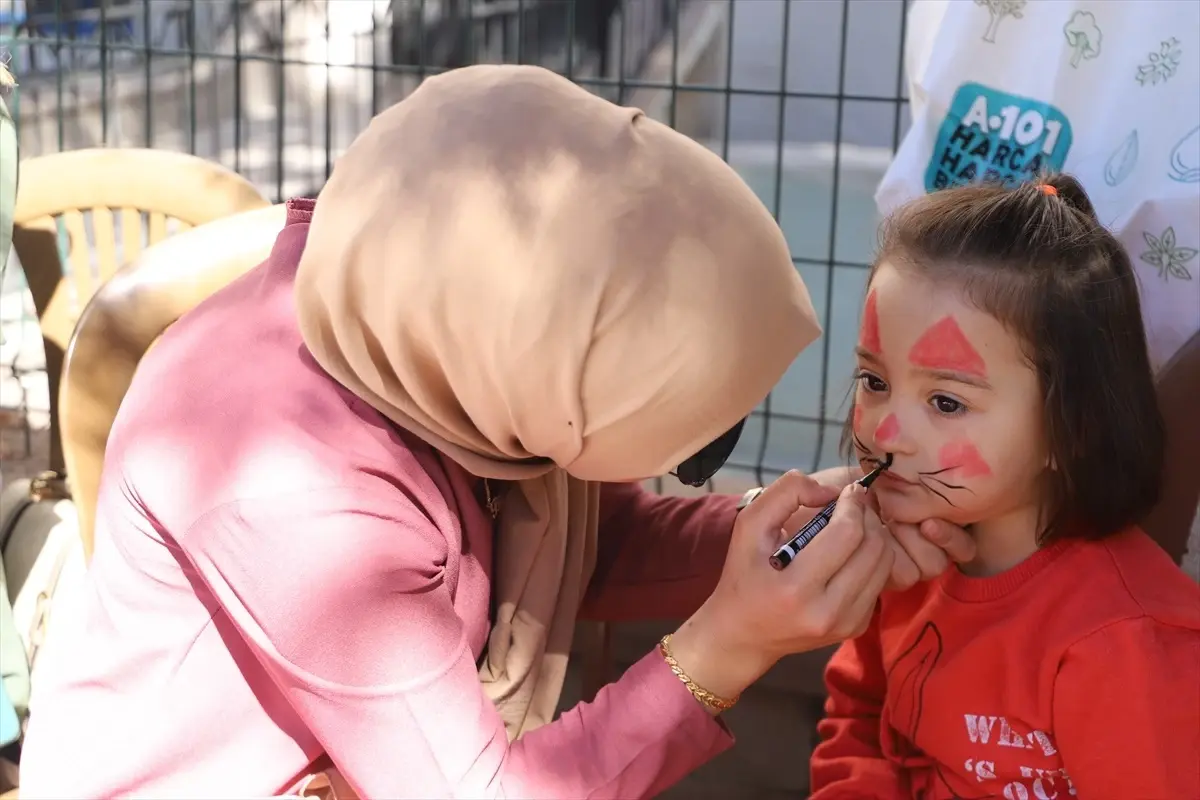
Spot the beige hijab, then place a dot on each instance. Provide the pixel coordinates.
(553, 290)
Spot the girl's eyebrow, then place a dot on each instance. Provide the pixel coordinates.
(958, 377)
(937, 374)
(866, 355)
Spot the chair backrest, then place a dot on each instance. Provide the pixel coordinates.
(109, 191)
(127, 315)
(1178, 389)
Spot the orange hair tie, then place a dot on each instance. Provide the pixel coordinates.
(1048, 190)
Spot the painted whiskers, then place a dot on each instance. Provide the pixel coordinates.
(865, 452)
(926, 479)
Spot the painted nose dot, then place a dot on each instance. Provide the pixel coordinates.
(888, 429)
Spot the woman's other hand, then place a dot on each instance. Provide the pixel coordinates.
(757, 614)
(923, 552)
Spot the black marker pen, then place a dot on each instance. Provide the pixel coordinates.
(784, 555)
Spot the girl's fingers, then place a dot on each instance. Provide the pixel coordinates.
(955, 541)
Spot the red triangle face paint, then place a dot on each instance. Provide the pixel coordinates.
(964, 458)
(945, 347)
(868, 334)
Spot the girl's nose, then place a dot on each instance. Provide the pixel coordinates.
(889, 434)
(887, 431)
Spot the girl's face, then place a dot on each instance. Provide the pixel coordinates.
(945, 389)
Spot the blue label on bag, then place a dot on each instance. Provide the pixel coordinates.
(996, 136)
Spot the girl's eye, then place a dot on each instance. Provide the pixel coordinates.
(872, 383)
(948, 405)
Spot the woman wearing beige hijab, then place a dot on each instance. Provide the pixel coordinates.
(354, 504)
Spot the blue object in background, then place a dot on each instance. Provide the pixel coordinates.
(992, 135)
(51, 20)
(12, 13)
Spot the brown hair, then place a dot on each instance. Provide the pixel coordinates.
(1040, 262)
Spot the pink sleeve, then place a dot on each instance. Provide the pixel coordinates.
(341, 596)
(659, 557)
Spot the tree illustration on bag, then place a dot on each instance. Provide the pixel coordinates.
(1083, 35)
(999, 9)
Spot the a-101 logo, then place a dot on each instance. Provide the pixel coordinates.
(996, 136)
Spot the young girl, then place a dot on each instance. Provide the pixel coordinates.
(1002, 362)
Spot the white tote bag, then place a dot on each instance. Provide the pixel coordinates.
(1107, 90)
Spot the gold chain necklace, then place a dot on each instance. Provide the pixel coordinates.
(491, 501)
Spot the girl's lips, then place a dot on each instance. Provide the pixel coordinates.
(891, 477)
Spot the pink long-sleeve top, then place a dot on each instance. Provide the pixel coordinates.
(281, 575)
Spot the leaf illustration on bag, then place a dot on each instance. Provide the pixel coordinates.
(1121, 163)
(906, 686)
(1166, 256)
(1160, 66)
(1185, 159)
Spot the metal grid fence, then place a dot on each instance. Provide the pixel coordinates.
(805, 98)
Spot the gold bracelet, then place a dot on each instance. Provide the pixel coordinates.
(704, 696)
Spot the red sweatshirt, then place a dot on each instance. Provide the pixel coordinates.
(1073, 675)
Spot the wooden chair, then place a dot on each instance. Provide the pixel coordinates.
(108, 191)
(127, 315)
(1178, 389)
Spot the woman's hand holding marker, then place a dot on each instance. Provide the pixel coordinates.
(757, 614)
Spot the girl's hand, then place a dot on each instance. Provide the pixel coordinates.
(757, 614)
